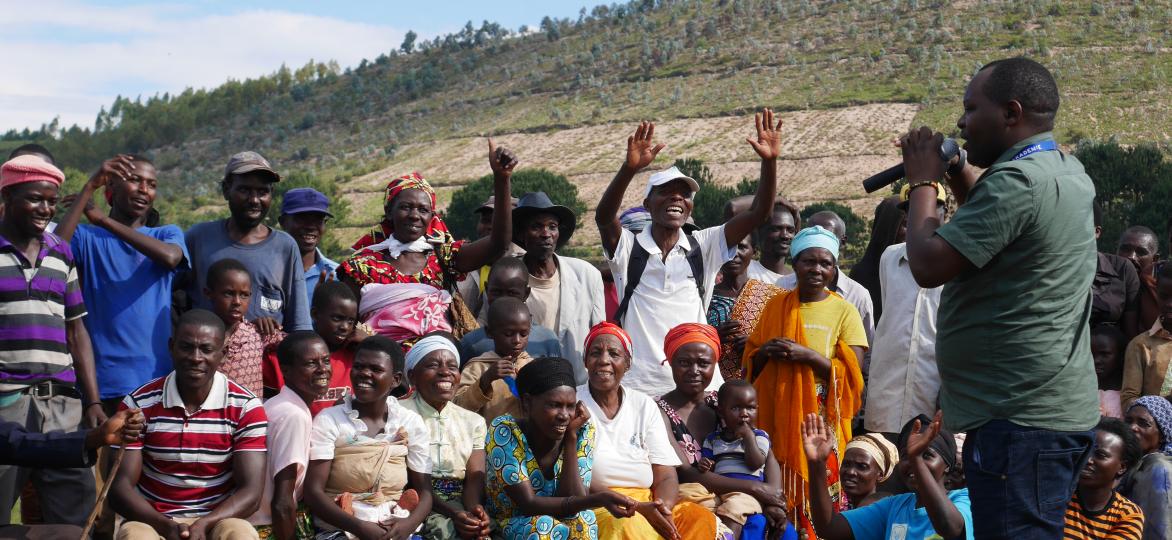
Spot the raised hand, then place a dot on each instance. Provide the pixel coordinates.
(768, 142)
(121, 166)
(921, 155)
(816, 438)
(641, 151)
(501, 159)
(921, 438)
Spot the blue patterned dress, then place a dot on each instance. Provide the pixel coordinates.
(510, 462)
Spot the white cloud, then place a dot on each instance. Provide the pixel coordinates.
(69, 59)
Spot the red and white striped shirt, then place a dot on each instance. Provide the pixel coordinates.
(187, 458)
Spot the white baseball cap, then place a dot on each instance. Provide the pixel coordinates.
(662, 177)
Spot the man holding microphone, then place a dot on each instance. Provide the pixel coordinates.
(1016, 262)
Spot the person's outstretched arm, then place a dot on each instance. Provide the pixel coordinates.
(167, 255)
(640, 153)
(768, 146)
(487, 250)
(816, 439)
(945, 517)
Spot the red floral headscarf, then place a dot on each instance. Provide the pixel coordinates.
(437, 230)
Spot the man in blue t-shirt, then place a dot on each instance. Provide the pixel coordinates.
(272, 257)
(127, 270)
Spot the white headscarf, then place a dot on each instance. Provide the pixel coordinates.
(428, 345)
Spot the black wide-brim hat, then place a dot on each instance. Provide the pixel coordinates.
(531, 204)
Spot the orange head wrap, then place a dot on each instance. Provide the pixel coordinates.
(690, 333)
(610, 328)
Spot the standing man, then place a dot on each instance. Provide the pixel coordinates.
(1016, 262)
(47, 380)
(1138, 244)
(772, 240)
(303, 216)
(905, 382)
(679, 270)
(127, 270)
(272, 257)
(565, 293)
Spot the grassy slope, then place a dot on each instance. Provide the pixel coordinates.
(706, 60)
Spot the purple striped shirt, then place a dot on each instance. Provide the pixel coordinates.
(36, 300)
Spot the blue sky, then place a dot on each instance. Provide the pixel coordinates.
(68, 58)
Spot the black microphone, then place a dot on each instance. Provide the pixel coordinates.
(948, 150)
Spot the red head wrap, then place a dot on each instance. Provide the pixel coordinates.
(606, 327)
(437, 231)
(690, 333)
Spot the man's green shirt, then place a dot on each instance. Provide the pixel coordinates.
(1012, 339)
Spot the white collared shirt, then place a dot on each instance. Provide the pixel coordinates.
(665, 298)
(904, 381)
(339, 426)
(758, 272)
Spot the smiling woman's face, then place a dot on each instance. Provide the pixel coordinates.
(410, 212)
(606, 362)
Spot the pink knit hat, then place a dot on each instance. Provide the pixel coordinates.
(29, 168)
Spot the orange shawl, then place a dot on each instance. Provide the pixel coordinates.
(786, 394)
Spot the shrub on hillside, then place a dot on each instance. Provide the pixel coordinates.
(461, 215)
(1133, 186)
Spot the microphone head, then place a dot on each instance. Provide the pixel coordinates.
(948, 149)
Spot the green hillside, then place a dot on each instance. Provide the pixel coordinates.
(649, 59)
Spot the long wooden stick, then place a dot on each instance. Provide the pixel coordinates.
(89, 523)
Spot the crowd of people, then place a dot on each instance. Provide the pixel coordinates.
(731, 382)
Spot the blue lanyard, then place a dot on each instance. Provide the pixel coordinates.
(1042, 146)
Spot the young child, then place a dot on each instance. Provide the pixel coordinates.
(230, 291)
(485, 380)
(739, 450)
(508, 277)
(1107, 344)
(1145, 364)
(335, 318)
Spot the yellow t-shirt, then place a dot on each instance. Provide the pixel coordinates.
(829, 320)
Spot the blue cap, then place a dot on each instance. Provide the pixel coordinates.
(303, 200)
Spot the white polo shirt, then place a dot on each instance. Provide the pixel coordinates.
(626, 446)
(665, 298)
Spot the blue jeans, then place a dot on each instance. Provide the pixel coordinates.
(1020, 479)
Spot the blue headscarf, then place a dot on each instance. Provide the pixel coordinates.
(814, 237)
(1161, 411)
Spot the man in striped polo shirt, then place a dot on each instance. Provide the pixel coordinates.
(46, 363)
(199, 470)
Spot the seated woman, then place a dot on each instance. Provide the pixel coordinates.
(868, 461)
(692, 350)
(802, 358)
(457, 442)
(634, 455)
(412, 246)
(366, 451)
(540, 464)
(1148, 484)
(929, 511)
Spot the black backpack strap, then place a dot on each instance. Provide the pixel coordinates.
(696, 261)
(638, 263)
(635, 266)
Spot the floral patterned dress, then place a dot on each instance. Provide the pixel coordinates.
(368, 266)
(679, 429)
(510, 462)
